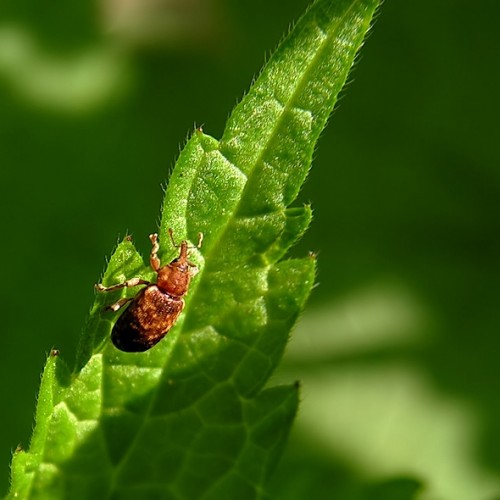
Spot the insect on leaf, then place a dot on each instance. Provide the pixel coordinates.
(192, 417)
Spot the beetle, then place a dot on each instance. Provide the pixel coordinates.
(155, 309)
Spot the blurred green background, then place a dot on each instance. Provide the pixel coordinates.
(399, 349)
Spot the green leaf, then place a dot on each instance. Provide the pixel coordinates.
(191, 418)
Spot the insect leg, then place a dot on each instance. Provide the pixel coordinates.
(126, 284)
(154, 259)
(119, 304)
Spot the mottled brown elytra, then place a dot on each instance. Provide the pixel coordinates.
(155, 309)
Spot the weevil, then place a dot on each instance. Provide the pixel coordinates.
(155, 309)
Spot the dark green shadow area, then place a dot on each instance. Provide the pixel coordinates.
(304, 473)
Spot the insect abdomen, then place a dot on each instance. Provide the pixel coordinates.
(147, 320)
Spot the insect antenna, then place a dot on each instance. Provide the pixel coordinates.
(198, 245)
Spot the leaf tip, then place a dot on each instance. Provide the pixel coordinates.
(313, 255)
